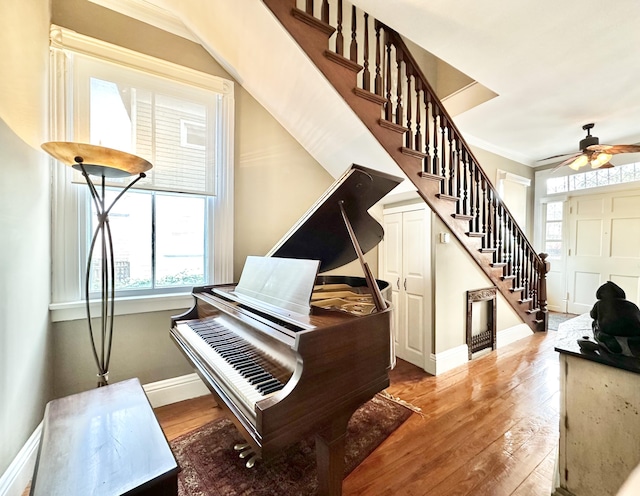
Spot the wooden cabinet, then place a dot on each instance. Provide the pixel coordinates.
(405, 264)
(599, 416)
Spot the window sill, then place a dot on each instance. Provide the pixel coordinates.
(76, 310)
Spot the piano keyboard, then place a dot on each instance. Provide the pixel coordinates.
(242, 366)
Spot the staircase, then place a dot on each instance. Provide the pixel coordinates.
(380, 80)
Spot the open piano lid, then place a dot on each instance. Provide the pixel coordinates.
(321, 233)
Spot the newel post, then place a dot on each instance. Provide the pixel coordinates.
(545, 266)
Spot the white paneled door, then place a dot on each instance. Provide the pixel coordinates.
(405, 256)
(604, 245)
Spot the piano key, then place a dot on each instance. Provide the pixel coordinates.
(236, 360)
(270, 385)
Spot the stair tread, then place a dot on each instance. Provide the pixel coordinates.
(413, 153)
(312, 21)
(368, 95)
(433, 177)
(497, 265)
(392, 126)
(442, 196)
(473, 234)
(343, 61)
(462, 217)
(487, 250)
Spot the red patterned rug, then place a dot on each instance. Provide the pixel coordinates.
(210, 466)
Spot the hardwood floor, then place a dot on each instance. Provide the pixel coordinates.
(489, 427)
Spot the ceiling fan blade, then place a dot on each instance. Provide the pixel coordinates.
(624, 149)
(567, 161)
(614, 149)
(557, 156)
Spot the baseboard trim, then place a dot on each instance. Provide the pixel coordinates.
(176, 389)
(447, 360)
(18, 474)
(513, 334)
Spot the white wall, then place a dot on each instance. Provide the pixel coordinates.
(25, 379)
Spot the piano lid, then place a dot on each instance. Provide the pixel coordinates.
(321, 233)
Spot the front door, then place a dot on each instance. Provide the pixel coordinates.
(604, 245)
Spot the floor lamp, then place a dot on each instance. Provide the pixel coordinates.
(93, 160)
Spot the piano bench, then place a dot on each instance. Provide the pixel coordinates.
(106, 441)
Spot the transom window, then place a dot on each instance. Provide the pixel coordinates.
(593, 179)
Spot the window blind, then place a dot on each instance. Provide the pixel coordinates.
(170, 124)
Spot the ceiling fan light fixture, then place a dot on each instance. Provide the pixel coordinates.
(581, 161)
(600, 159)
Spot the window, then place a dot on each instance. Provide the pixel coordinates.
(174, 229)
(619, 174)
(513, 189)
(553, 229)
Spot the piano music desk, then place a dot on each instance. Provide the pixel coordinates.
(106, 441)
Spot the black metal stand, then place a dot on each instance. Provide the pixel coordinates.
(103, 232)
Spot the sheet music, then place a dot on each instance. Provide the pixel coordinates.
(282, 282)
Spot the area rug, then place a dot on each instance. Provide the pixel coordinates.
(210, 466)
(557, 318)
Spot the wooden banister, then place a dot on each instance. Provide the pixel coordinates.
(414, 127)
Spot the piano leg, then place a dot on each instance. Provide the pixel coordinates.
(330, 456)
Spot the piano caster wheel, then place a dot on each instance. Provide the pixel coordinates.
(247, 452)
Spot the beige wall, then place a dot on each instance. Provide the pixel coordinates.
(25, 367)
(455, 273)
(276, 181)
(492, 163)
(141, 348)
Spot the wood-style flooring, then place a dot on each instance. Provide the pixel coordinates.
(489, 427)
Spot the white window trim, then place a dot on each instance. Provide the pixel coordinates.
(68, 303)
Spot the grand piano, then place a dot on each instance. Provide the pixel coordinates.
(288, 353)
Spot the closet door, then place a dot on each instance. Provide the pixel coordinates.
(413, 286)
(392, 266)
(404, 254)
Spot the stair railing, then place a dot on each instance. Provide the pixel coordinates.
(410, 105)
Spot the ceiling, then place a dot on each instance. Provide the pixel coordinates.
(555, 65)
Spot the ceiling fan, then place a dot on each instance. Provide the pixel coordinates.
(591, 152)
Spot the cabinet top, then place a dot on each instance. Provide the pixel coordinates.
(579, 328)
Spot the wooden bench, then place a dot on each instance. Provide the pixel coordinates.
(106, 441)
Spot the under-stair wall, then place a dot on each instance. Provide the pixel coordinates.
(370, 66)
